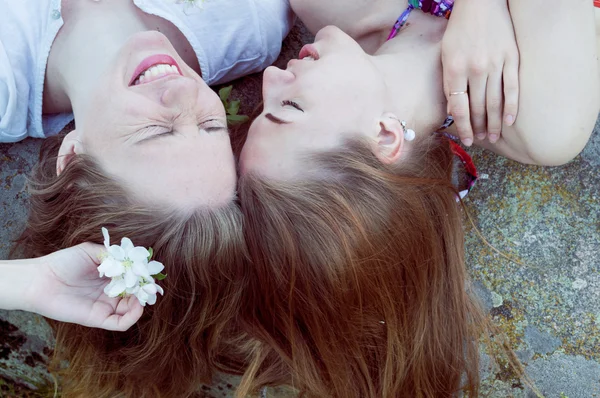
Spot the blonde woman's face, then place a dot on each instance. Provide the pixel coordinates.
(333, 93)
(160, 130)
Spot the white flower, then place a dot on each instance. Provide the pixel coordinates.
(111, 267)
(130, 270)
(116, 287)
(146, 291)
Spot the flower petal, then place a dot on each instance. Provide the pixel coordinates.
(150, 288)
(138, 253)
(154, 267)
(115, 287)
(160, 290)
(117, 252)
(101, 269)
(142, 296)
(132, 290)
(152, 299)
(127, 245)
(140, 269)
(112, 267)
(106, 237)
(131, 279)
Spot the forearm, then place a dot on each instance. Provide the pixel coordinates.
(559, 80)
(15, 280)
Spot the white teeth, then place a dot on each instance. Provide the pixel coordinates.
(309, 58)
(155, 71)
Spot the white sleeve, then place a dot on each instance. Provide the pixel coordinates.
(11, 128)
(278, 18)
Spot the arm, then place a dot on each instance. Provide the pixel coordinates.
(559, 81)
(15, 282)
(65, 286)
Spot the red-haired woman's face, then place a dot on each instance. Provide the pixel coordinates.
(159, 130)
(334, 93)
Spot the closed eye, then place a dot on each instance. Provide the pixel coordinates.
(292, 104)
(213, 126)
(161, 132)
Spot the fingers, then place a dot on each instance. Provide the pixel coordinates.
(477, 103)
(494, 104)
(128, 312)
(455, 87)
(458, 106)
(511, 90)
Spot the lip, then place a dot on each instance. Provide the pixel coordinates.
(309, 50)
(150, 62)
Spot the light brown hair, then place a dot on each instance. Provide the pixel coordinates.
(180, 341)
(358, 284)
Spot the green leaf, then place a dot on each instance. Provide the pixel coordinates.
(159, 277)
(225, 92)
(234, 108)
(237, 119)
(151, 253)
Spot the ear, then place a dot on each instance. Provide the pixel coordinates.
(70, 146)
(390, 139)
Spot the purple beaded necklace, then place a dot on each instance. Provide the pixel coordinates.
(439, 8)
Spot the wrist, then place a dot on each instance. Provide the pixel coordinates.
(16, 284)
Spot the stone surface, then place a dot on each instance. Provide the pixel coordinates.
(545, 296)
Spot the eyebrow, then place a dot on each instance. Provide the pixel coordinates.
(275, 120)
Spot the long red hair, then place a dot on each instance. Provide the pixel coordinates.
(358, 283)
(182, 340)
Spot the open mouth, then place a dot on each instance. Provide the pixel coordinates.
(309, 52)
(154, 68)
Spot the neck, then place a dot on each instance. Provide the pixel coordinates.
(411, 66)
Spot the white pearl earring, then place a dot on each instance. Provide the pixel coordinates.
(409, 134)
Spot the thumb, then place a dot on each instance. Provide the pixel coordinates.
(92, 250)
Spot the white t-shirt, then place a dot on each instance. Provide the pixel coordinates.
(231, 38)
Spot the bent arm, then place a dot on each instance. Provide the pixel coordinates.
(559, 81)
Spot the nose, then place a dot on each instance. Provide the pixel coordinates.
(274, 75)
(274, 78)
(181, 93)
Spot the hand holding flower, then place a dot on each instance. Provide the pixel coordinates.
(65, 286)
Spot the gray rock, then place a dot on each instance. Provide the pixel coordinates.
(567, 375)
(591, 152)
(483, 294)
(540, 342)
